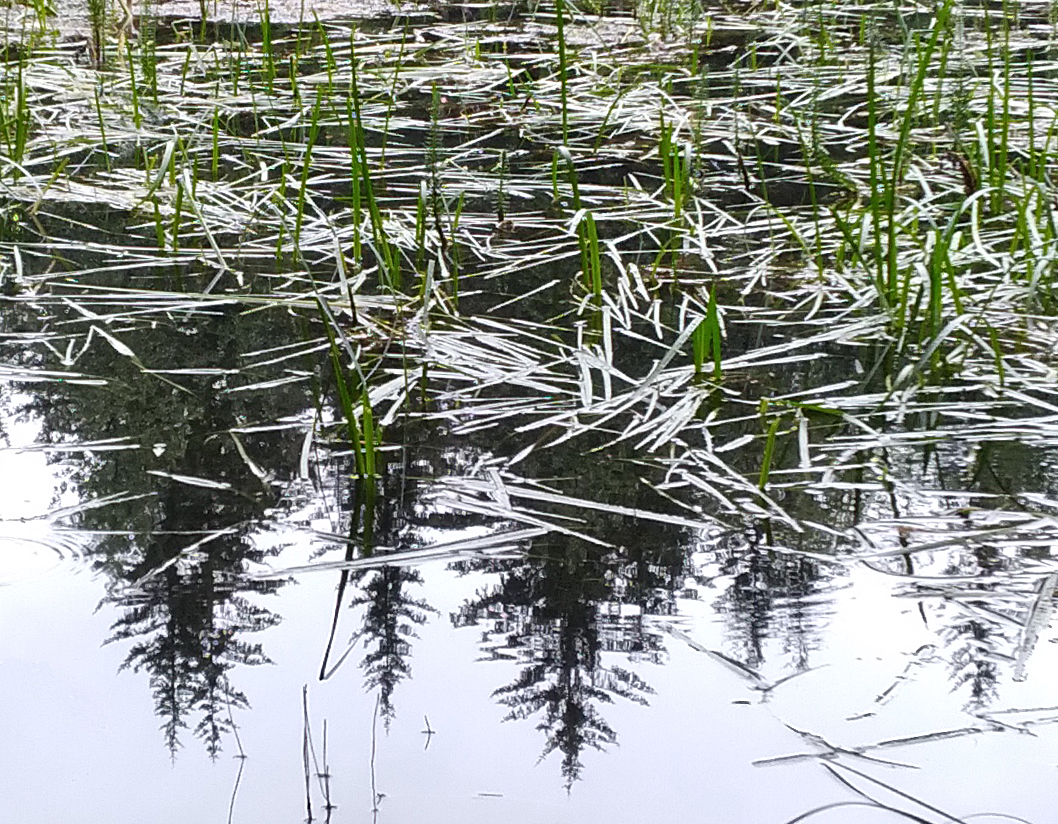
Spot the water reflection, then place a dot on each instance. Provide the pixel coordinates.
(186, 615)
(973, 646)
(390, 613)
(209, 458)
(766, 600)
(382, 513)
(390, 617)
(172, 520)
(556, 613)
(574, 605)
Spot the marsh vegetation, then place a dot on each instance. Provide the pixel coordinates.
(710, 345)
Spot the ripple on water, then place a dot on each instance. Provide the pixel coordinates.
(28, 551)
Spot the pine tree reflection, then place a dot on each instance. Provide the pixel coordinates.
(390, 613)
(972, 659)
(558, 612)
(186, 627)
(390, 618)
(174, 536)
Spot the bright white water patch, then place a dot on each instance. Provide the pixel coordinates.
(30, 542)
(22, 558)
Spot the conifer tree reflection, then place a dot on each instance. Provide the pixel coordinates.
(558, 611)
(186, 616)
(390, 614)
(390, 618)
(175, 553)
(973, 663)
(982, 633)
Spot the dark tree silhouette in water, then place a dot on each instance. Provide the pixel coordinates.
(560, 685)
(186, 635)
(972, 665)
(569, 602)
(187, 607)
(381, 515)
(174, 514)
(558, 611)
(390, 618)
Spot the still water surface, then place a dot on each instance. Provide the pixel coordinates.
(591, 582)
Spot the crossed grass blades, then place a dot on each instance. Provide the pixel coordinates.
(794, 262)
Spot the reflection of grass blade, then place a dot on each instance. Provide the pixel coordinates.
(699, 346)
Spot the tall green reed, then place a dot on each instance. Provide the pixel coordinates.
(387, 253)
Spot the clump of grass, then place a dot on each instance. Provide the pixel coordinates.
(15, 119)
(364, 435)
(706, 340)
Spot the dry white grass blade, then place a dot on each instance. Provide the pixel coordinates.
(498, 544)
(1038, 620)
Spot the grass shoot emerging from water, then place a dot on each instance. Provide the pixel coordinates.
(787, 262)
